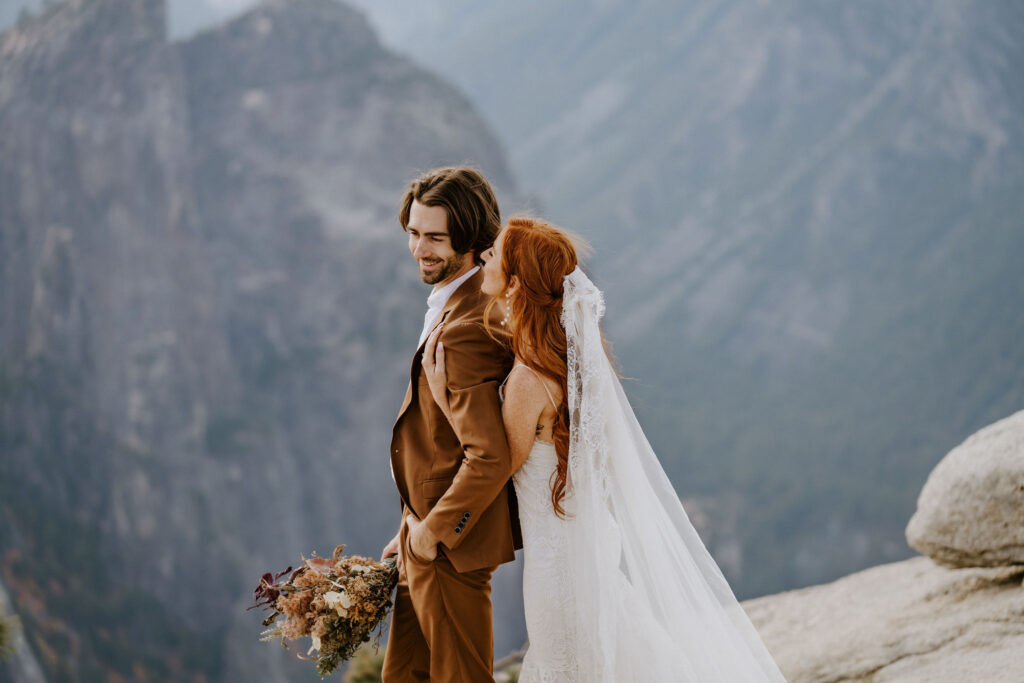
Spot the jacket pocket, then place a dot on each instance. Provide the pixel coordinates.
(434, 488)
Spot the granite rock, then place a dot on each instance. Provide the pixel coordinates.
(971, 510)
(905, 622)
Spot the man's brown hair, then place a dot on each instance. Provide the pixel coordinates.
(473, 216)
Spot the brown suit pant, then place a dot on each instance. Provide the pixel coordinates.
(441, 627)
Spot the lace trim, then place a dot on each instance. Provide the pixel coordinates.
(582, 309)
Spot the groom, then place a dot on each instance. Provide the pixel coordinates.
(459, 519)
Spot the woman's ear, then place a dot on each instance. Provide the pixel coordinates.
(513, 284)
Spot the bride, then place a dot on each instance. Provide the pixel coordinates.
(617, 585)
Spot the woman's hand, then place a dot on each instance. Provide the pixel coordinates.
(437, 374)
(422, 543)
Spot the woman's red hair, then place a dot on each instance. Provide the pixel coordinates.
(539, 256)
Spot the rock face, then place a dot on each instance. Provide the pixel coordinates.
(206, 318)
(916, 621)
(800, 213)
(905, 622)
(971, 510)
(16, 657)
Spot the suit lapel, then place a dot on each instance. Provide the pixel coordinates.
(417, 361)
(467, 288)
(405, 402)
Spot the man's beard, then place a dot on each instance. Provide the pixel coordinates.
(449, 266)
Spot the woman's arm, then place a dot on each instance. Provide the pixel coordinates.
(525, 400)
(436, 372)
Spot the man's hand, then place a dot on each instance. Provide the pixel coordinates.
(394, 547)
(421, 542)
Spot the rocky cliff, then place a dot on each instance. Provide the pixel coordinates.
(957, 615)
(205, 313)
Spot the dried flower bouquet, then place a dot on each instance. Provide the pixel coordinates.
(337, 602)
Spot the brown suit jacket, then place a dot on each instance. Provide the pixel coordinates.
(456, 477)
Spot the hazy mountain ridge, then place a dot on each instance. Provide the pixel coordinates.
(804, 217)
(822, 298)
(839, 309)
(206, 309)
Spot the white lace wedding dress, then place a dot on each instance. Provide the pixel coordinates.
(547, 589)
(621, 589)
(548, 595)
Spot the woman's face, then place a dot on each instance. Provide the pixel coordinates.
(494, 283)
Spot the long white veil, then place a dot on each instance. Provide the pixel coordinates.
(650, 602)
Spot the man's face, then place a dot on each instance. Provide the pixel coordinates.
(431, 245)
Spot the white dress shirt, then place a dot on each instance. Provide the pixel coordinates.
(437, 301)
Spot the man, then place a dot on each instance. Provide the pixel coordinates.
(459, 520)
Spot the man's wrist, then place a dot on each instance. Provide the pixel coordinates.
(427, 538)
(421, 541)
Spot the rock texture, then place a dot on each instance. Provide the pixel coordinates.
(206, 317)
(917, 621)
(905, 622)
(971, 510)
(20, 664)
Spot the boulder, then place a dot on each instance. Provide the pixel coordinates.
(906, 622)
(971, 510)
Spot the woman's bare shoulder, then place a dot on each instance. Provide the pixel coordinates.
(531, 385)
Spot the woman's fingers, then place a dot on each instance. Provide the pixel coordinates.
(430, 350)
(434, 368)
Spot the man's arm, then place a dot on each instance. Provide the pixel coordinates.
(474, 363)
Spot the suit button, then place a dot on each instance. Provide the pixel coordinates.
(458, 529)
(465, 516)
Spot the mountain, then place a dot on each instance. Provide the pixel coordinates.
(206, 316)
(806, 219)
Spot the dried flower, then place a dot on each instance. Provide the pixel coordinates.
(338, 603)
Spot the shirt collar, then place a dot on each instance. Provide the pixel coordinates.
(439, 297)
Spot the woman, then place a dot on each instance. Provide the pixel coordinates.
(617, 585)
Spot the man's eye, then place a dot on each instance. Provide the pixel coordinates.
(436, 239)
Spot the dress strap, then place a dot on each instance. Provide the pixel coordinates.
(538, 376)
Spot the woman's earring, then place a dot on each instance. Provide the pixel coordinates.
(508, 309)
